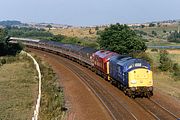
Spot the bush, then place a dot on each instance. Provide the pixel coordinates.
(154, 50)
(152, 25)
(154, 33)
(3, 61)
(144, 56)
(165, 61)
(176, 70)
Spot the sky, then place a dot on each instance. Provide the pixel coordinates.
(89, 12)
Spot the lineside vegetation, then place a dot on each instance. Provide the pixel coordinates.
(52, 101)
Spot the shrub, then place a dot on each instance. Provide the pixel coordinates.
(144, 56)
(154, 33)
(176, 70)
(165, 61)
(154, 50)
(3, 61)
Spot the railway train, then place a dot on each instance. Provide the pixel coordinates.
(133, 76)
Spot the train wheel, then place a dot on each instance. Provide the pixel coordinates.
(133, 96)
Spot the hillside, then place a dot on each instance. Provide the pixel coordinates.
(10, 23)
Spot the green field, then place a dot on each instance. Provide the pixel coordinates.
(18, 90)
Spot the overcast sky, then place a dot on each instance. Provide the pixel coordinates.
(89, 12)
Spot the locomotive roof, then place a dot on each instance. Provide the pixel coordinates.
(104, 53)
(127, 62)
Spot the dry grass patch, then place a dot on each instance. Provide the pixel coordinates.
(174, 51)
(18, 86)
(76, 32)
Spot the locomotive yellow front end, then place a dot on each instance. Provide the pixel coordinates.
(141, 82)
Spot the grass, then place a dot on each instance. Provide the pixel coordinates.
(159, 30)
(76, 32)
(19, 89)
(18, 86)
(164, 81)
(52, 102)
(161, 38)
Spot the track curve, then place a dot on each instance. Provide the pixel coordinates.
(118, 105)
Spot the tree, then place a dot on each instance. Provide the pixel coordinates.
(96, 28)
(49, 26)
(165, 61)
(154, 33)
(176, 70)
(90, 31)
(120, 39)
(164, 31)
(142, 26)
(7, 48)
(3, 35)
(152, 25)
(3, 41)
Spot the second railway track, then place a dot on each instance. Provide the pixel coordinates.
(155, 109)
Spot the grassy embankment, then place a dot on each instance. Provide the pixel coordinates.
(165, 81)
(52, 102)
(18, 88)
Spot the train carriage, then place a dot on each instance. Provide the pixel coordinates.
(86, 54)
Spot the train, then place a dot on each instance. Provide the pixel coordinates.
(133, 76)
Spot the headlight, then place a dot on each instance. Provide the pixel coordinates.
(133, 81)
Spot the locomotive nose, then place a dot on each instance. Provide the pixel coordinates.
(140, 78)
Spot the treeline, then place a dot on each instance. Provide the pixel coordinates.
(28, 32)
(7, 48)
(174, 37)
(42, 34)
(10, 23)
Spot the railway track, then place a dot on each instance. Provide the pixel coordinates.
(116, 109)
(155, 109)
